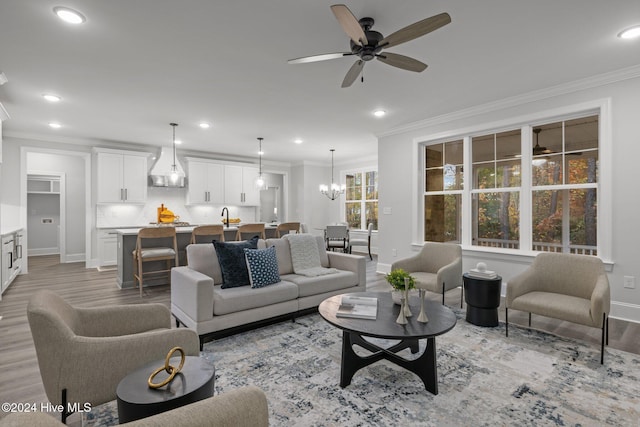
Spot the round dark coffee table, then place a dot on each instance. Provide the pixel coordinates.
(483, 299)
(136, 400)
(441, 320)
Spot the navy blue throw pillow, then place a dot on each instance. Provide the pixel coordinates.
(233, 264)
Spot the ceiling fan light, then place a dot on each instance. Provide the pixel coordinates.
(630, 33)
(68, 15)
(51, 98)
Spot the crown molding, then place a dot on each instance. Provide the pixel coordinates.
(537, 95)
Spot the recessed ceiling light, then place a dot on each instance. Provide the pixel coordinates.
(178, 142)
(379, 113)
(297, 141)
(630, 33)
(69, 15)
(51, 98)
(55, 125)
(204, 125)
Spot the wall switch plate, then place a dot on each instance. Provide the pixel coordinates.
(630, 282)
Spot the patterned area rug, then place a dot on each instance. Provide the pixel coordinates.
(531, 378)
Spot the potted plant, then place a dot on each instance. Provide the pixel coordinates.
(397, 280)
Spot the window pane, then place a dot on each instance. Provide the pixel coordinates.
(353, 215)
(547, 170)
(508, 145)
(482, 148)
(435, 181)
(371, 214)
(484, 175)
(452, 177)
(442, 218)
(372, 185)
(434, 156)
(547, 221)
(583, 221)
(453, 153)
(581, 134)
(508, 173)
(354, 186)
(582, 167)
(496, 219)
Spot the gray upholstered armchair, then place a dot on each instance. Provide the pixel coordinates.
(242, 407)
(436, 268)
(568, 287)
(83, 353)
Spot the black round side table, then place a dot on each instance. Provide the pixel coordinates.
(136, 400)
(483, 299)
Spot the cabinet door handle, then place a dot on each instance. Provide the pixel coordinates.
(121, 194)
(10, 253)
(126, 194)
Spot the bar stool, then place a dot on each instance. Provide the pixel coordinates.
(287, 227)
(251, 230)
(143, 254)
(216, 231)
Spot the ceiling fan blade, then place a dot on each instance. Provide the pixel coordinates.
(415, 30)
(349, 24)
(316, 58)
(353, 73)
(402, 61)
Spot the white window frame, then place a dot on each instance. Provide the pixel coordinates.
(363, 201)
(601, 107)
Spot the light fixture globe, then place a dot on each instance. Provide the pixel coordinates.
(175, 174)
(334, 190)
(260, 182)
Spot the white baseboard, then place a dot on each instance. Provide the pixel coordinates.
(74, 258)
(383, 268)
(44, 251)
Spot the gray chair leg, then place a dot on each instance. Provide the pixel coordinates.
(529, 319)
(605, 320)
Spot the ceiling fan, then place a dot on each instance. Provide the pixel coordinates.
(542, 151)
(367, 44)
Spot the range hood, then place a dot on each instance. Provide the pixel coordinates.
(162, 170)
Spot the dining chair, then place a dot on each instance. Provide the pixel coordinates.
(247, 231)
(337, 237)
(143, 254)
(286, 228)
(363, 242)
(213, 232)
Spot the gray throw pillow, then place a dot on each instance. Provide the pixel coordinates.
(263, 266)
(233, 264)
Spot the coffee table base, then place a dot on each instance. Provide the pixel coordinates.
(424, 366)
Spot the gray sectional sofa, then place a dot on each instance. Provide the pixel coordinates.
(199, 302)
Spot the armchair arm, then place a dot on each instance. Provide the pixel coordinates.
(520, 284)
(600, 299)
(409, 265)
(450, 274)
(246, 406)
(192, 292)
(91, 367)
(122, 319)
(347, 262)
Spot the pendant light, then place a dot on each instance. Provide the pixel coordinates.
(175, 173)
(335, 190)
(260, 181)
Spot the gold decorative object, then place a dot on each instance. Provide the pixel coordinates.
(171, 370)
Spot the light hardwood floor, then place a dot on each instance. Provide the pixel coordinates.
(20, 381)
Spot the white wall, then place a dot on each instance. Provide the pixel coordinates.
(43, 236)
(399, 177)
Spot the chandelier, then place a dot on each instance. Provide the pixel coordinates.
(334, 190)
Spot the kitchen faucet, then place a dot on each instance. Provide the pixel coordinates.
(223, 210)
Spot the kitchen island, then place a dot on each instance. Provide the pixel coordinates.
(127, 243)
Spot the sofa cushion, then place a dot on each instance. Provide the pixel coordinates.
(263, 266)
(233, 264)
(320, 284)
(283, 254)
(231, 300)
(202, 258)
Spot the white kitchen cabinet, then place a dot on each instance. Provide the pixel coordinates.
(239, 186)
(206, 183)
(11, 261)
(121, 177)
(107, 247)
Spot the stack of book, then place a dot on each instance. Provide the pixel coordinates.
(358, 307)
(482, 274)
